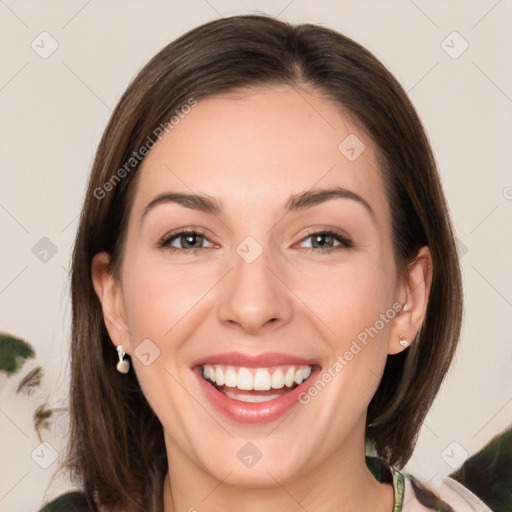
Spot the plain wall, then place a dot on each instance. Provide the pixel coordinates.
(54, 110)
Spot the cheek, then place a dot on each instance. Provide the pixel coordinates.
(158, 299)
(159, 303)
(356, 312)
(347, 299)
(342, 300)
(354, 305)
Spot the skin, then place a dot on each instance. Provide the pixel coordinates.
(250, 151)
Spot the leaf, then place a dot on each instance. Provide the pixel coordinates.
(42, 417)
(488, 473)
(13, 352)
(31, 380)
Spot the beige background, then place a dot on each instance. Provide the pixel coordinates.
(54, 110)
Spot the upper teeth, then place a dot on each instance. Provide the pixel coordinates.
(259, 379)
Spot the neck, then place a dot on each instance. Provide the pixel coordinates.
(342, 482)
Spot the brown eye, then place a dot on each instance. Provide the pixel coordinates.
(184, 241)
(327, 241)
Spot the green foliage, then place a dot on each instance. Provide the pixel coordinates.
(31, 380)
(488, 473)
(71, 502)
(13, 352)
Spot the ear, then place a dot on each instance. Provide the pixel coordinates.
(110, 294)
(413, 294)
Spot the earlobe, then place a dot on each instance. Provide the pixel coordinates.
(110, 295)
(413, 295)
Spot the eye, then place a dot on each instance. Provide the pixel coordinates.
(192, 241)
(327, 241)
(186, 240)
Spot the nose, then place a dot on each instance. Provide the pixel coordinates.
(254, 298)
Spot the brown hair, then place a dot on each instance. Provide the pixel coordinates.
(116, 442)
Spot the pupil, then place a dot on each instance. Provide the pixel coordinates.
(189, 240)
(318, 239)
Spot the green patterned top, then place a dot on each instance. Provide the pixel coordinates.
(411, 496)
(385, 473)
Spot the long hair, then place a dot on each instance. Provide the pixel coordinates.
(116, 447)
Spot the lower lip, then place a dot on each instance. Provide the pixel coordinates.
(259, 412)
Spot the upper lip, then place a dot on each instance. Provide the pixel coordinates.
(264, 360)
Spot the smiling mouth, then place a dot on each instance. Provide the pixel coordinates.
(255, 384)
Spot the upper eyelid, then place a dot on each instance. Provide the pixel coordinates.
(166, 239)
(198, 231)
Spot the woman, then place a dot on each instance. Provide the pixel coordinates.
(266, 257)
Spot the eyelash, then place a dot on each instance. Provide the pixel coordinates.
(344, 241)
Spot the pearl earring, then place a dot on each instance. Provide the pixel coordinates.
(123, 365)
(403, 341)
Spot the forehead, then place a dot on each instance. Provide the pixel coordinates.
(255, 148)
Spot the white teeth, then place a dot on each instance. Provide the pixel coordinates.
(306, 372)
(247, 397)
(219, 377)
(289, 377)
(230, 378)
(278, 379)
(244, 379)
(260, 379)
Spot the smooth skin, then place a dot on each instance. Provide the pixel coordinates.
(251, 151)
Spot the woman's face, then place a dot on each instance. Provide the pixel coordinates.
(274, 283)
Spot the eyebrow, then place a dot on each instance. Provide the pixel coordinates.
(296, 202)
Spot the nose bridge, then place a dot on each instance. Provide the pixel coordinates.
(253, 296)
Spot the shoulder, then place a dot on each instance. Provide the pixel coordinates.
(443, 495)
(488, 473)
(70, 502)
